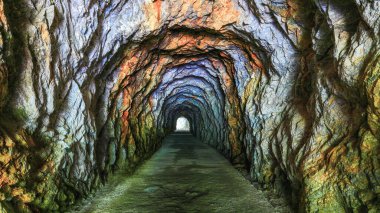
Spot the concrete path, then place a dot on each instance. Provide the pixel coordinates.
(184, 175)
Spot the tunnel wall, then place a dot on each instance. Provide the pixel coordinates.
(289, 89)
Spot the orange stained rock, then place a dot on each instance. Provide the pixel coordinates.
(256, 61)
(45, 34)
(191, 13)
(126, 105)
(235, 146)
(160, 65)
(3, 19)
(157, 4)
(190, 42)
(209, 14)
(152, 12)
(123, 111)
(216, 64)
(224, 55)
(128, 66)
(224, 13)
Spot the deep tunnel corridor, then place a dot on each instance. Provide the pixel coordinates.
(184, 175)
(287, 91)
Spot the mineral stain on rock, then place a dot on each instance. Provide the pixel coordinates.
(286, 90)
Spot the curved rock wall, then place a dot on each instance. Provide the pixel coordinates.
(287, 89)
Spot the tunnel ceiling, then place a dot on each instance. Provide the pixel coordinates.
(289, 90)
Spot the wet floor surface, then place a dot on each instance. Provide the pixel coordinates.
(184, 175)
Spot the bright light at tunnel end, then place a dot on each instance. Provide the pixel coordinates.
(182, 125)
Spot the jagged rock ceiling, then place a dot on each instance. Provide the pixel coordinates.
(288, 89)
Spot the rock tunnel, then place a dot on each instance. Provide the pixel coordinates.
(288, 90)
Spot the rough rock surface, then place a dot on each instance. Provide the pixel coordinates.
(288, 89)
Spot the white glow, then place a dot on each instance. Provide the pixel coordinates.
(182, 124)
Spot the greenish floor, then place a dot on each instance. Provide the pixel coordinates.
(184, 175)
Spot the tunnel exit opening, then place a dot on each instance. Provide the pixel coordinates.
(182, 125)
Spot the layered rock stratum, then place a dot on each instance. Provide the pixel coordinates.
(288, 89)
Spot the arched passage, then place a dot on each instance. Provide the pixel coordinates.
(182, 125)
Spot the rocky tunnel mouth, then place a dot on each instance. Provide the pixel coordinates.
(198, 73)
(287, 90)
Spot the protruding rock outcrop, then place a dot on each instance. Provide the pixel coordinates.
(289, 89)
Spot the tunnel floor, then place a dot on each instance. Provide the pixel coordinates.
(184, 175)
